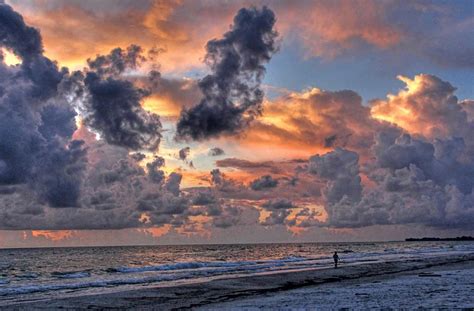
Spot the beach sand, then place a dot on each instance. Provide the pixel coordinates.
(436, 282)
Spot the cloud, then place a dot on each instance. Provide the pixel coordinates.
(323, 29)
(316, 116)
(406, 159)
(279, 210)
(216, 151)
(248, 165)
(413, 182)
(183, 153)
(330, 28)
(169, 95)
(278, 204)
(36, 124)
(111, 104)
(232, 93)
(263, 183)
(426, 106)
(154, 173)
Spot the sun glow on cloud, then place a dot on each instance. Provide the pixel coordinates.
(10, 58)
(54, 235)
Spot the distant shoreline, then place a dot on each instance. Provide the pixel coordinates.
(459, 238)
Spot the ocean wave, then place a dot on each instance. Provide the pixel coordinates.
(71, 274)
(28, 275)
(190, 274)
(200, 264)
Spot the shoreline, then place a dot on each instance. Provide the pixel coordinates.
(215, 292)
(447, 286)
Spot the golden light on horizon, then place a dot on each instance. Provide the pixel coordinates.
(53, 235)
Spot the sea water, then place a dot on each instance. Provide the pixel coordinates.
(50, 273)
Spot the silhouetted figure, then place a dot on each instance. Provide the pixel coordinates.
(336, 259)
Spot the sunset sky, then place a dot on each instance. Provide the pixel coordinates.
(161, 122)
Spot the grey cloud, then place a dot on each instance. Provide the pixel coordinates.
(230, 216)
(117, 61)
(414, 182)
(138, 156)
(36, 124)
(173, 182)
(232, 93)
(216, 151)
(264, 182)
(114, 110)
(341, 168)
(204, 198)
(154, 173)
(278, 204)
(110, 102)
(183, 153)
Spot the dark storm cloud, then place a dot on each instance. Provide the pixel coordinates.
(117, 61)
(232, 93)
(57, 121)
(154, 173)
(216, 151)
(111, 103)
(25, 41)
(59, 174)
(36, 124)
(264, 182)
(115, 111)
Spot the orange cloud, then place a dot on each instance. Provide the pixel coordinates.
(182, 28)
(426, 106)
(319, 121)
(85, 31)
(156, 231)
(53, 235)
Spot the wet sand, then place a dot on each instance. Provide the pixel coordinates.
(355, 286)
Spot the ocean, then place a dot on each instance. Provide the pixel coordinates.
(51, 273)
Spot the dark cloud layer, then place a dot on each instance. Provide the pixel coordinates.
(36, 124)
(232, 93)
(112, 104)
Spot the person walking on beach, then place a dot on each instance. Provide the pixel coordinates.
(336, 259)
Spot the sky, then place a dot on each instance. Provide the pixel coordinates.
(177, 122)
